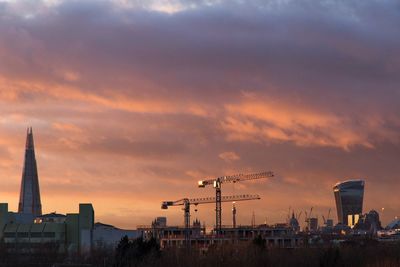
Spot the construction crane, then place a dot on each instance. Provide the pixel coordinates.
(186, 202)
(298, 216)
(308, 217)
(328, 222)
(292, 214)
(217, 182)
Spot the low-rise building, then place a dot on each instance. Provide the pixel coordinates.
(72, 233)
(105, 235)
(280, 235)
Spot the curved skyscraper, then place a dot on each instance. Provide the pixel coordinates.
(349, 199)
(29, 199)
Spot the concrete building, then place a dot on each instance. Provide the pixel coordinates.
(279, 235)
(72, 234)
(51, 217)
(313, 224)
(369, 222)
(349, 200)
(28, 229)
(391, 233)
(395, 224)
(29, 199)
(294, 223)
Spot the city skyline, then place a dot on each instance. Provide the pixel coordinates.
(171, 92)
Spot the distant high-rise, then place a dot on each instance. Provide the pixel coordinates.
(29, 199)
(349, 199)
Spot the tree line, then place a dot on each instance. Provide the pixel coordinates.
(147, 253)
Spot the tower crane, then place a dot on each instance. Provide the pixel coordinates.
(298, 216)
(308, 217)
(186, 202)
(217, 182)
(327, 221)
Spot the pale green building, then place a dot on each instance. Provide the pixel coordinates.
(71, 233)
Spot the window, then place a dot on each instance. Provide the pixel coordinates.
(23, 234)
(49, 234)
(9, 235)
(36, 234)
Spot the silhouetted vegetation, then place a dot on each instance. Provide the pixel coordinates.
(256, 254)
(38, 255)
(132, 252)
(259, 242)
(141, 253)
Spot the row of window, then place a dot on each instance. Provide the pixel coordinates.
(32, 235)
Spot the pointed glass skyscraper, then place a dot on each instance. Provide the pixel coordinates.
(29, 199)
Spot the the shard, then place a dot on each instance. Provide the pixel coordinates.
(29, 199)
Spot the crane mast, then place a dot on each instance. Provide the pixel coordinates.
(217, 182)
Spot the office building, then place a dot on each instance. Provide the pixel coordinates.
(72, 232)
(29, 199)
(349, 200)
(29, 230)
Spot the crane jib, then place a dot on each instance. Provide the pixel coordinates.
(217, 182)
(235, 178)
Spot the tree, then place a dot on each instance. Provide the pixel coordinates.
(132, 252)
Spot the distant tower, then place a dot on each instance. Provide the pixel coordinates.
(349, 199)
(29, 199)
(253, 220)
(294, 223)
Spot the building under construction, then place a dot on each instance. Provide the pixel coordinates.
(195, 234)
(348, 196)
(278, 235)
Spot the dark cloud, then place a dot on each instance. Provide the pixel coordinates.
(298, 46)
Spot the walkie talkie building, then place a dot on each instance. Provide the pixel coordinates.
(349, 197)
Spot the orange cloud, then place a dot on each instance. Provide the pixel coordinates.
(13, 89)
(229, 156)
(67, 127)
(259, 120)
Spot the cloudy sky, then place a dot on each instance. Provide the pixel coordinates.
(132, 102)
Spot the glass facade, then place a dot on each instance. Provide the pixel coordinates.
(349, 197)
(29, 199)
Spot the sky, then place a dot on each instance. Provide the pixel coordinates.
(133, 102)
